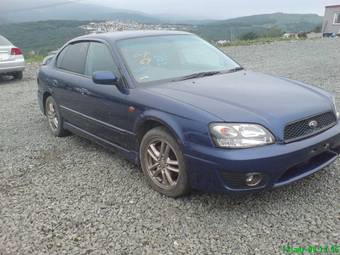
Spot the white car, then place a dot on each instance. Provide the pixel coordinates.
(12, 61)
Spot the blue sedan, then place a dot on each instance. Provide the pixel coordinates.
(189, 115)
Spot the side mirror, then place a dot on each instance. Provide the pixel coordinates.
(104, 78)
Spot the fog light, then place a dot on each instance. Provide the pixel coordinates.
(253, 179)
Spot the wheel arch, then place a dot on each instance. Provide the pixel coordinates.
(150, 121)
(45, 96)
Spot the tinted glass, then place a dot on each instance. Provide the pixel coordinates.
(99, 58)
(166, 57)
(73, 58)
(61, 56)
(4, 41)
(337, 18)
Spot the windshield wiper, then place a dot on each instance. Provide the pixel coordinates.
(235, 69)
(204, 74)
(197, 75)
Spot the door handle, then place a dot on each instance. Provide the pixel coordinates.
(84, 91)
(54, 83)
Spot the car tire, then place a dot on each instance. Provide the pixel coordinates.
(54, 118)
(18, 75)
(163, 163)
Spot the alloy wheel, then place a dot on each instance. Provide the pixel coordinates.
(52, 116)
(162, 164)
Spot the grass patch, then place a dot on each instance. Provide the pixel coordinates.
(34, 59)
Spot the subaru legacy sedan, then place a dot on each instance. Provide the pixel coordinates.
(189, 115)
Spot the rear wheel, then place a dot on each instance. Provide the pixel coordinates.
(55, 120)
(18, 75)
(163, 163)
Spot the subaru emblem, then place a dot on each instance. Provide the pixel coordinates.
(313, 124)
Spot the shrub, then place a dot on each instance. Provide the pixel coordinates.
(249, 36)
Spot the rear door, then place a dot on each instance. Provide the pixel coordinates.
(67, 82)
(97, 109)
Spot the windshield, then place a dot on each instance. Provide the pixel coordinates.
(167, 57)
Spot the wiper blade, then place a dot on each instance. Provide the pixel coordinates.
(197, 75)
(204, 74)
(236, 69)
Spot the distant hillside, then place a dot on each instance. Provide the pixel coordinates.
(74, 11)
(209, 28)
(260, 24)
(274, 18)
(42, 36)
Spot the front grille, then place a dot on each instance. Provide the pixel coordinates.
(302, 128)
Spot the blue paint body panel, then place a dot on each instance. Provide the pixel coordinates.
(101, 113)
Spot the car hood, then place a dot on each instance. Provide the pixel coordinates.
(251, 97)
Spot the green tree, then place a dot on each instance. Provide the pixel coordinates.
(249, 36)
(274, 32)
(317, 29)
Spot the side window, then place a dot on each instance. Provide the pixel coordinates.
(99, 58)
(337, 18)
(72, 58)
(61, 56)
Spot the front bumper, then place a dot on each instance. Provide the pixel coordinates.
(215, 169)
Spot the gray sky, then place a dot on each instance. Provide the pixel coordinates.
(220, 8)
(214, 9)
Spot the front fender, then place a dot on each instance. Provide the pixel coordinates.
(188, 124)
(170, 121)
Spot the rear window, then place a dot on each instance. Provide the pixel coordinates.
(73, 57)
(4, 41)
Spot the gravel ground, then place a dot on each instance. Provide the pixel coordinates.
(70, 196)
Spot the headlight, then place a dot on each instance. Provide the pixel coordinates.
(335, 108)
(237, 135)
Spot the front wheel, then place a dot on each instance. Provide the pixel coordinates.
(55, 120)
(163, 163)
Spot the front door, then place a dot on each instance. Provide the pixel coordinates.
(104, 106)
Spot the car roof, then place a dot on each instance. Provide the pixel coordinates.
(115, 36)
